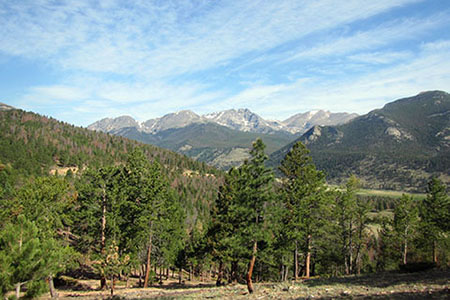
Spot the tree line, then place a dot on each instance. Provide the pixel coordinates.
(127, 219)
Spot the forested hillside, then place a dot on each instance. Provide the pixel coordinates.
(397, 147)
(34, 145)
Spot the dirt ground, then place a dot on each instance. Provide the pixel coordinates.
(423, 285)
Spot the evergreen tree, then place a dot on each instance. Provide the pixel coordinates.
(46, 202)
(222, 227)
(405, 222)
(346, 214)
(22, 256)
(306, 202)
(146, 205)
(435, 214)
(255, 191)
(96, 213)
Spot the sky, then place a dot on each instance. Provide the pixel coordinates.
(80, 61)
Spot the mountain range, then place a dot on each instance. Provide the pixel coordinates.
(399, 146)
(396, 147)
(241, 119)
(221, 139)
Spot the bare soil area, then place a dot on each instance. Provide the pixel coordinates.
(422, 285)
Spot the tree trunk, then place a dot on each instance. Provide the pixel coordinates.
(141, 272)
(190, 272)
(51, 287)
(260, 272)
(405, 245)
(18, 290)
(220, 274)
(435, 259)
(149, 253)
(234, 269)
(112, 286)
(344, 246)
(250, 267)
(286, 273)
(405, 251)
(350, 248)
(103, 236)
(296, 261)
(308, 255)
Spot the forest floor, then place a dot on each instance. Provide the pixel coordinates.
(422, 285)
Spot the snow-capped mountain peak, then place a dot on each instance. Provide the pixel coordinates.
(241, 119)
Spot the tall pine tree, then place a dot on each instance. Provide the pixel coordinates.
(435, 214)
(307, 202)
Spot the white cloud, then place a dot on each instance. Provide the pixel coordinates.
(142, 59)
(427, 71)
(58, 92)
(381, 57)
(386, 34)
(167, 38)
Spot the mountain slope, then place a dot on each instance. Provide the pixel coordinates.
(174, 120)
(208, 142)
(398, 146)
(220, 139)
(34, 145)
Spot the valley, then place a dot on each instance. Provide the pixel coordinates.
(397, 147)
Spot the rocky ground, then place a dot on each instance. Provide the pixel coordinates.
(423, 285)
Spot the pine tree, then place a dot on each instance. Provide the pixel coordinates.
(221, 230)
(46, 202)
(435, 214)
(148, 209)
(22, 255)
(96, 213)
(405, 222)
(346, 214)
(306, 202)
(255, 192)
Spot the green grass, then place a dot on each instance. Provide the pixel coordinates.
(389, 194)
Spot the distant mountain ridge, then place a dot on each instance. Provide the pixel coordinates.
(214, 144)
(396, 147)
(221, 139)
(240, 119)
(320, 117)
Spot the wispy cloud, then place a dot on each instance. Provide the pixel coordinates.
(168, 39)
(427, 71)
(408, 29)
(275, 57)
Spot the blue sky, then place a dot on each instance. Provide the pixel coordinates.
(79, 61)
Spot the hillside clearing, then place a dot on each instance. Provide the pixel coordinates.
(431, 285)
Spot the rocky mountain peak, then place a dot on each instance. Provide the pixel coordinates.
(5, 107)
(112, 124)
(303, 121)
(241, 119)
